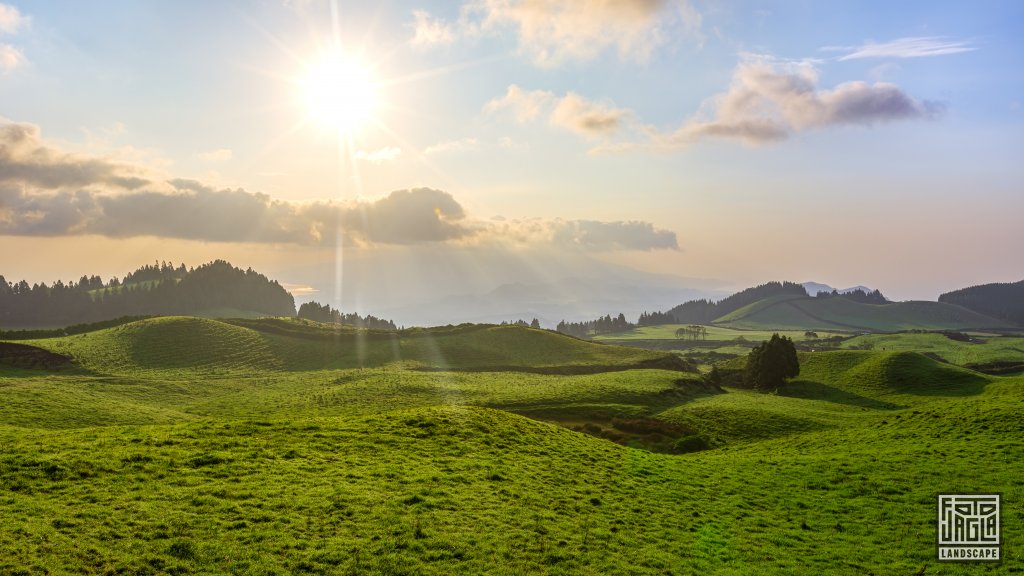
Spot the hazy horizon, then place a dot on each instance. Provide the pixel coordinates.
(424, 151)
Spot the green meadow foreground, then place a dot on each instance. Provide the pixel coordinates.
(181, 445)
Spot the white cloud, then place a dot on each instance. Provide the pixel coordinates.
(551, 32)
(524, 106)
(431, 31)
(451, 146)
(11, 20)
(300, 290)
(571, 112)
(385, 154)
(914, 47)
(10, 58)
(507, 143)
(218, 155)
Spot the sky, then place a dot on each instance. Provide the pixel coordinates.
(392, 156)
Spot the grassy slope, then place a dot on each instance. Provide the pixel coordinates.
(994, 348)
(843, 314)
(756, 307)
(715, 333)
(389, 471)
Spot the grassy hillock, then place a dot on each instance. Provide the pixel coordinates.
(889, 374)
(832, 390)
(191, 446)
(159, 345)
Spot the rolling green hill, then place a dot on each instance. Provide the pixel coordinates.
(183, 445)
(187, 345)
(789, 313)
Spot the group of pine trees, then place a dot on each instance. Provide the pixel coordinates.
(535, 323)
(692, 332)
(655, 319)
(160, 289)
(324, 313)
(771, 363)
(874, 297)
(590, 328)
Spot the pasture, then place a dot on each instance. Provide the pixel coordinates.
(184, 446)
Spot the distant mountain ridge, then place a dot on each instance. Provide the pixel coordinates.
(1001, 300)
(789, 306)
(572, 299)
(813, 288)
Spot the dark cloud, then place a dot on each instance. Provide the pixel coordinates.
(201, 213)
(47, 192)
(51, 193)
(605, 236)
(586, 235)
(420, 215)
(25, 159)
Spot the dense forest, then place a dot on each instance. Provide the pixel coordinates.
(159, 289)
(324, 313)
(1002, 300)
(655, 319)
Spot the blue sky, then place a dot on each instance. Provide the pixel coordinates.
(851, 143)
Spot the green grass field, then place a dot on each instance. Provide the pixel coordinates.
(992, 348)
(714, 333)
(189, 446)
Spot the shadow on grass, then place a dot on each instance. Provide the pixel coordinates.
(628, 421)
(571, 408)
(915, 374)
(812, 390)
(19, 360)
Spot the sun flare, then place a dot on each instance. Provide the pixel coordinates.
(339, 92)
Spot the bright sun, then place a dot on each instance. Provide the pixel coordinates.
(339, 92)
